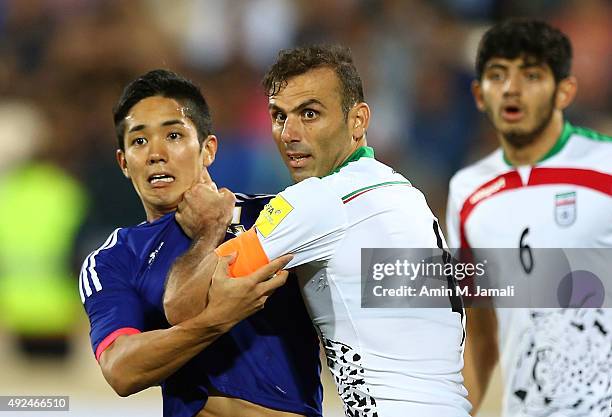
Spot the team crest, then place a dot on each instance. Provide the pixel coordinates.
(565, 208)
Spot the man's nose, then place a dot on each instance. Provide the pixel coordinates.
(291, 130)
(157, 151)
(513, 84)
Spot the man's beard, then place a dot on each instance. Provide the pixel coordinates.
(519, 138)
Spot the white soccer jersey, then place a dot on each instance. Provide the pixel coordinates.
(387, 362)
(554, 362)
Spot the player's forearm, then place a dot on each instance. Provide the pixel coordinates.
(188, 281)
(135, 362)
(481, 353)
(477, 374)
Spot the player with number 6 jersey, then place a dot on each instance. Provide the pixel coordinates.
(549, 185)
(562, 201)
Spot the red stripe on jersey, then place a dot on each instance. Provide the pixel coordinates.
(108, 340)
(587, 178)
(508, 181)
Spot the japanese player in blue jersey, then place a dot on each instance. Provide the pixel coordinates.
(235, 357)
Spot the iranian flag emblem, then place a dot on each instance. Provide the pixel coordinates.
(565, 208)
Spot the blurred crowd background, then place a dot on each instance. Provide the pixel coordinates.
(63, 64)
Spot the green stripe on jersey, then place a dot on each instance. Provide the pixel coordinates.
(361, 152)
(591, 134)
(564, 195)
(565, 135)
(371, 187)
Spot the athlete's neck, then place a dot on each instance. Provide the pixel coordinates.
(354, 146)
(156, 213)
(530, 154)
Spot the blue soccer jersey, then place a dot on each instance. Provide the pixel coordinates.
(270, 358)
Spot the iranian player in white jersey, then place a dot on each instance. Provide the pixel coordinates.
(386, 362)
(549, 185)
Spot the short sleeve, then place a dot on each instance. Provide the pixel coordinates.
(110, 300)
(307, 220)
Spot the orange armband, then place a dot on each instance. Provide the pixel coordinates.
(250, 256)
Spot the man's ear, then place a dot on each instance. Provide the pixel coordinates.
(209, 150)
(122, 163)
(566, 92)
(359, 120)
(477, 94)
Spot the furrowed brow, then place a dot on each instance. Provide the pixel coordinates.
(308, 103)
(273, 107)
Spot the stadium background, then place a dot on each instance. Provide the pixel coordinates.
(62, 66)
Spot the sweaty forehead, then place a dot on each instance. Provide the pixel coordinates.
(155, 109)
(321, 84)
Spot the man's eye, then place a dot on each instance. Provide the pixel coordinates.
(139, 141)
(280, 118)
(174, 136)
(310, 114)
(496, 76)
(533, 76)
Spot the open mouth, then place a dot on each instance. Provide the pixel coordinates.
(512, 113)
(160, 178)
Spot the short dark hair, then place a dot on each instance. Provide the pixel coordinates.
(532, 39)
(297, 61)
(167, 84)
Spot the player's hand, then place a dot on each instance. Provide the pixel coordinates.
(205, 210)
(231, 300)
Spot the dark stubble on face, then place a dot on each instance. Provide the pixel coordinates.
(519, 139)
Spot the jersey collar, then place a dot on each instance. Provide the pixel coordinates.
(567, 131)
(361, 152)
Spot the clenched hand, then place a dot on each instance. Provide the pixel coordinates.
(205, 210)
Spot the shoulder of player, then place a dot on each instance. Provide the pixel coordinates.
(306, 209)
(134, 236)
(468, 179)
(585, 149)
(308, 190)
(590, 135)
(252, 201)
(363, 175)
(242, 198)
(111, 254)
(124, 245)
(116, 243)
